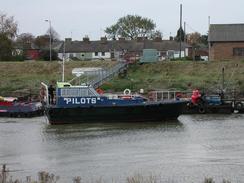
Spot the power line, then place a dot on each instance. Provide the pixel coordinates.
(191, 28)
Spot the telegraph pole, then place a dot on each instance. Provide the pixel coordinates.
(50, 39)
(180, 27)
(209, 44)
(184, 38)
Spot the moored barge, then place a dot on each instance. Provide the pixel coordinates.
(11, 107)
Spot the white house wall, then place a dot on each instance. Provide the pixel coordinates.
(67, 55)
(60, 56)
(78, 55)
(177, 54)
(187, 52)
(106, 56)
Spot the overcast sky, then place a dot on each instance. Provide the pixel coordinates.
(78, 18)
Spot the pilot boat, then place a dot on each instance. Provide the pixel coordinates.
(84, 104)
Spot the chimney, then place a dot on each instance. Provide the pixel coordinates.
(140, 39)
(121, 39)
(86, 39)
(103, 39)
(68, 40)
(157, 39)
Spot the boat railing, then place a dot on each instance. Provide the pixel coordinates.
(160, 95)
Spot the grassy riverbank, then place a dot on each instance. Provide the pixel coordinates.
(27, 76)
(163, 75)
(45, 177)
(181, 75)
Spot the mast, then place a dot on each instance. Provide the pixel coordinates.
(63, 62)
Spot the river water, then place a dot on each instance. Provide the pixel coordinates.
(186, 150)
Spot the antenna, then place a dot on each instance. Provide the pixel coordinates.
(209, 19)
(185, 32)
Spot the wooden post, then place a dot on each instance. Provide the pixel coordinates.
(223, 79)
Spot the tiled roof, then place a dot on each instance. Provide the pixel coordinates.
(226, 32)
(129, 45)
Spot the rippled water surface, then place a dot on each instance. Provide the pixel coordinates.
(187, 150)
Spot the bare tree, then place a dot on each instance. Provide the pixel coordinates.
(8, 26)
(25, 39)
(54, 35)
(8, 31)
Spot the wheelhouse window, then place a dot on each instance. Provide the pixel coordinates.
(96, 53)
(103, 53)
(238, 51)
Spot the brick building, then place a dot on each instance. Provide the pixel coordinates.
(226, 41)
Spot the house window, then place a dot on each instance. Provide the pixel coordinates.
(96, 53)
(238, 51)
(103, 53)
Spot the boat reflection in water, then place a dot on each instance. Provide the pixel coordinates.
(110, 127)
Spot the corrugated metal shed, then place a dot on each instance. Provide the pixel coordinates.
(149, 56)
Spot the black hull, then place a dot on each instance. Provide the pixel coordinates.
(139, 113)
(209, 109)
(29, 114)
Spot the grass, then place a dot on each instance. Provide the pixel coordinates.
(17, 76)
(182, 75)
(46, 177)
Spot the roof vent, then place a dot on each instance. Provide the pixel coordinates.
(68, 39)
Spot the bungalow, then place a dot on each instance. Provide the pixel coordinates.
(110, 49)
(226, 41)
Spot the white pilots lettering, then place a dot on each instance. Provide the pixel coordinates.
(80, 100)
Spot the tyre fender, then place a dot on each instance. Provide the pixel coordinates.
(239, 105)
(202, 109)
